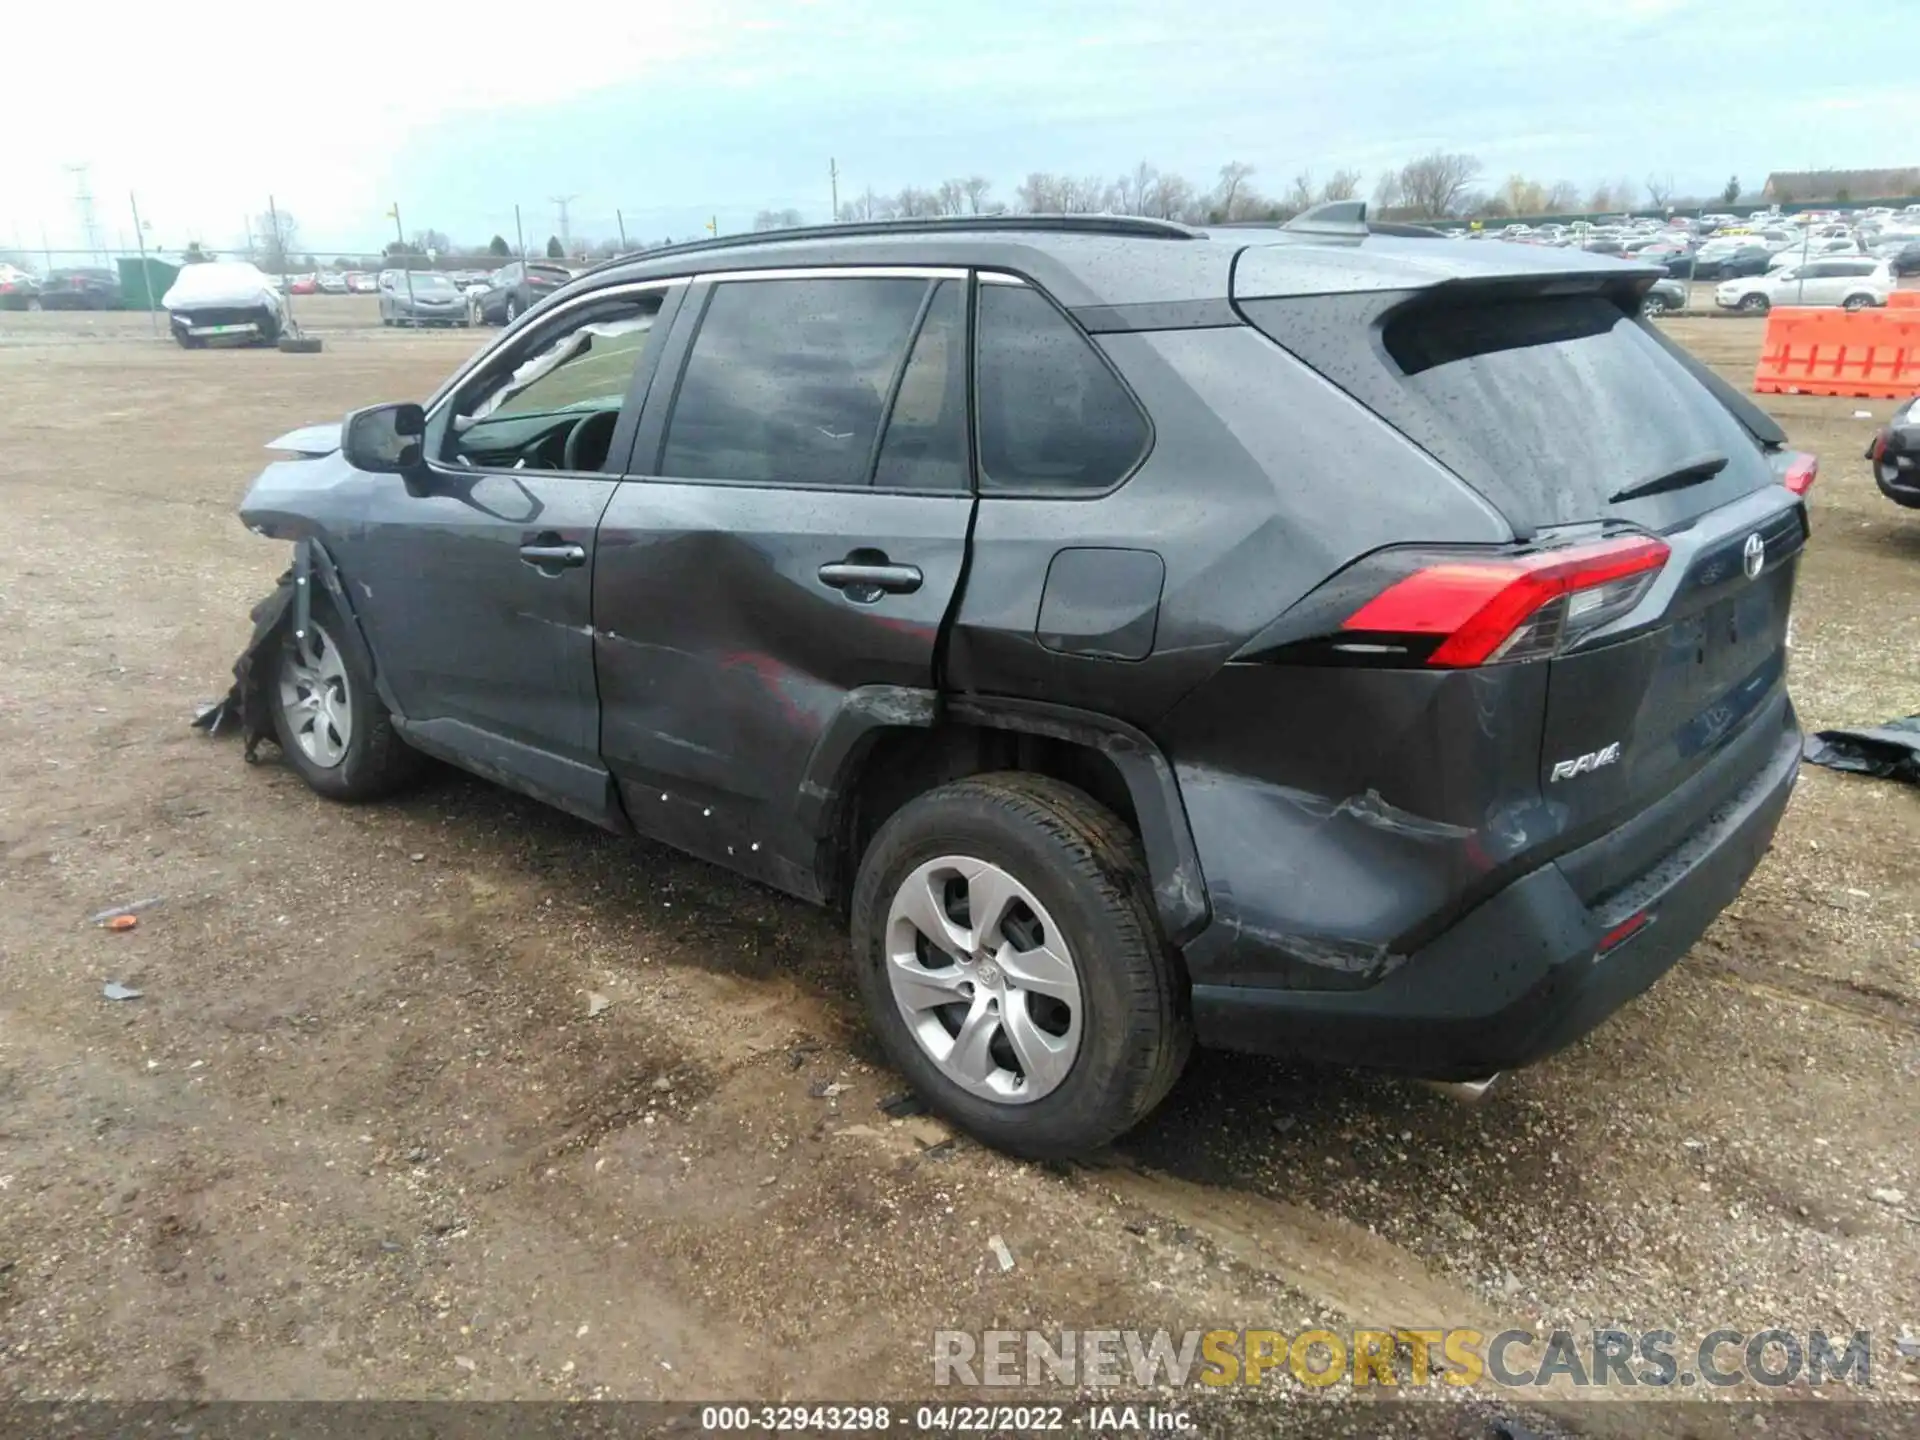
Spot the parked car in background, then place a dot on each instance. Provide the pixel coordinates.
(1722, 259)
(331, 282)
(19, 289)
(227, 300)
(514, 289)
(1398, 684)
(1894, 454)
(1902, 254)
(420, 297)
(303, 285)
(359, 282)
(1853, 282)
(1664, 295)
(1796, 250)
(81, 288)
(1603, 245)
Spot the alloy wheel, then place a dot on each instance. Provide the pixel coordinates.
(984, 979)
(315, 697)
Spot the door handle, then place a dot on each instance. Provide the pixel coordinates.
(866, 581)
(554, 557)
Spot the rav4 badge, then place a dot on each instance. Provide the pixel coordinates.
(1584, 764)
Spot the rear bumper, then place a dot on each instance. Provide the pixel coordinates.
(1518, 977)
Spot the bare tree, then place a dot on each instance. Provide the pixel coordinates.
(867, 206)
(1133, 192)
(951, 196)
(1563, 197)
(1229, 195)
(975, 188)
(1521, 196)
(1341, 185)
(1386, 192)
(1040, 193)
(776, 219)
(1300, 193)
(914, 203)
(277, 233)
(1172, 198)
(1435, 185)
(1659, 190)
(435, 240)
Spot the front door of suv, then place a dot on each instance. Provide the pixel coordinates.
(475, 582)
(799, 534)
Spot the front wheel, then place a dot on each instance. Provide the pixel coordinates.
(327, 716)
(1009, 957)
(1653, 305)
(1754, 304)
(513, 309)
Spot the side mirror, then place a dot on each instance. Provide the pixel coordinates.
(385, 439)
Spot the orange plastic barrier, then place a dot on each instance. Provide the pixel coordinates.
(1905, 300)
(1869, 353)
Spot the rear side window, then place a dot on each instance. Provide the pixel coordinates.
(925, 447)
(1547, 405)
(1054, 418)
(788, 380)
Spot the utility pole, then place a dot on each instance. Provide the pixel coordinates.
(83, 204)
(401, 236)
(713, 224)
(833, 179)
(621, 221)
(520, 234)
(146, 275)
(560, 203)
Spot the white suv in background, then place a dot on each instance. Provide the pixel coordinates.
(1852, 281)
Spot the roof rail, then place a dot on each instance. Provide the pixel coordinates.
(1138, 226)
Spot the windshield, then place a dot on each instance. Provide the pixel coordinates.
(427, 283)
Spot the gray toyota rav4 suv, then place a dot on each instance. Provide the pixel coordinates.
(1314, 641)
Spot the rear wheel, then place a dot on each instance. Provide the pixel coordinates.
(1754, 304)
(327, 716)
(1010, 960)
(1654, 305)
(513, 308)
(1856, 302)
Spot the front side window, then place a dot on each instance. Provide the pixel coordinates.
(554, 404)
(788, 380)
(1054, 418)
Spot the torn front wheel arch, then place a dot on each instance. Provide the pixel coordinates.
(246, 704)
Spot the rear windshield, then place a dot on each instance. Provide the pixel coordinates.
(1549, 406)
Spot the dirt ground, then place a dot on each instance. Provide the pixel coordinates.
(361, 1138)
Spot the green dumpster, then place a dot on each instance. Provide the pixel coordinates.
(143, 282)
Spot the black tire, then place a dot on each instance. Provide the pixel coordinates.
(1856, 302)
(376, 761)
(1085, 867)
(1653, 305)
(1754, 304)
(513, 310)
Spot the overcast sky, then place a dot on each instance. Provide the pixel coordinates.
(672, 112)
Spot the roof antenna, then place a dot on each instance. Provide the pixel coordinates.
(1331, 217)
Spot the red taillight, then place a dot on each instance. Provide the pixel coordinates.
(1623, 932)
(1801, 472)
(1521, 608)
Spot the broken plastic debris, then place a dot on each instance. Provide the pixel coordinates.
(1890, 751)
(1888, 1197)
(123, 922)
(596, 1002)
(114, 990)
(1000, 1252)
(902, 1105)
(464, 1363)
(119, 912)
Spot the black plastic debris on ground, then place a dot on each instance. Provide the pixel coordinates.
(1890, 751)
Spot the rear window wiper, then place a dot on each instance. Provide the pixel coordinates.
(1689, 472)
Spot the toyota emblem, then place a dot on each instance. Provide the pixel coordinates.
(1753, 555)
